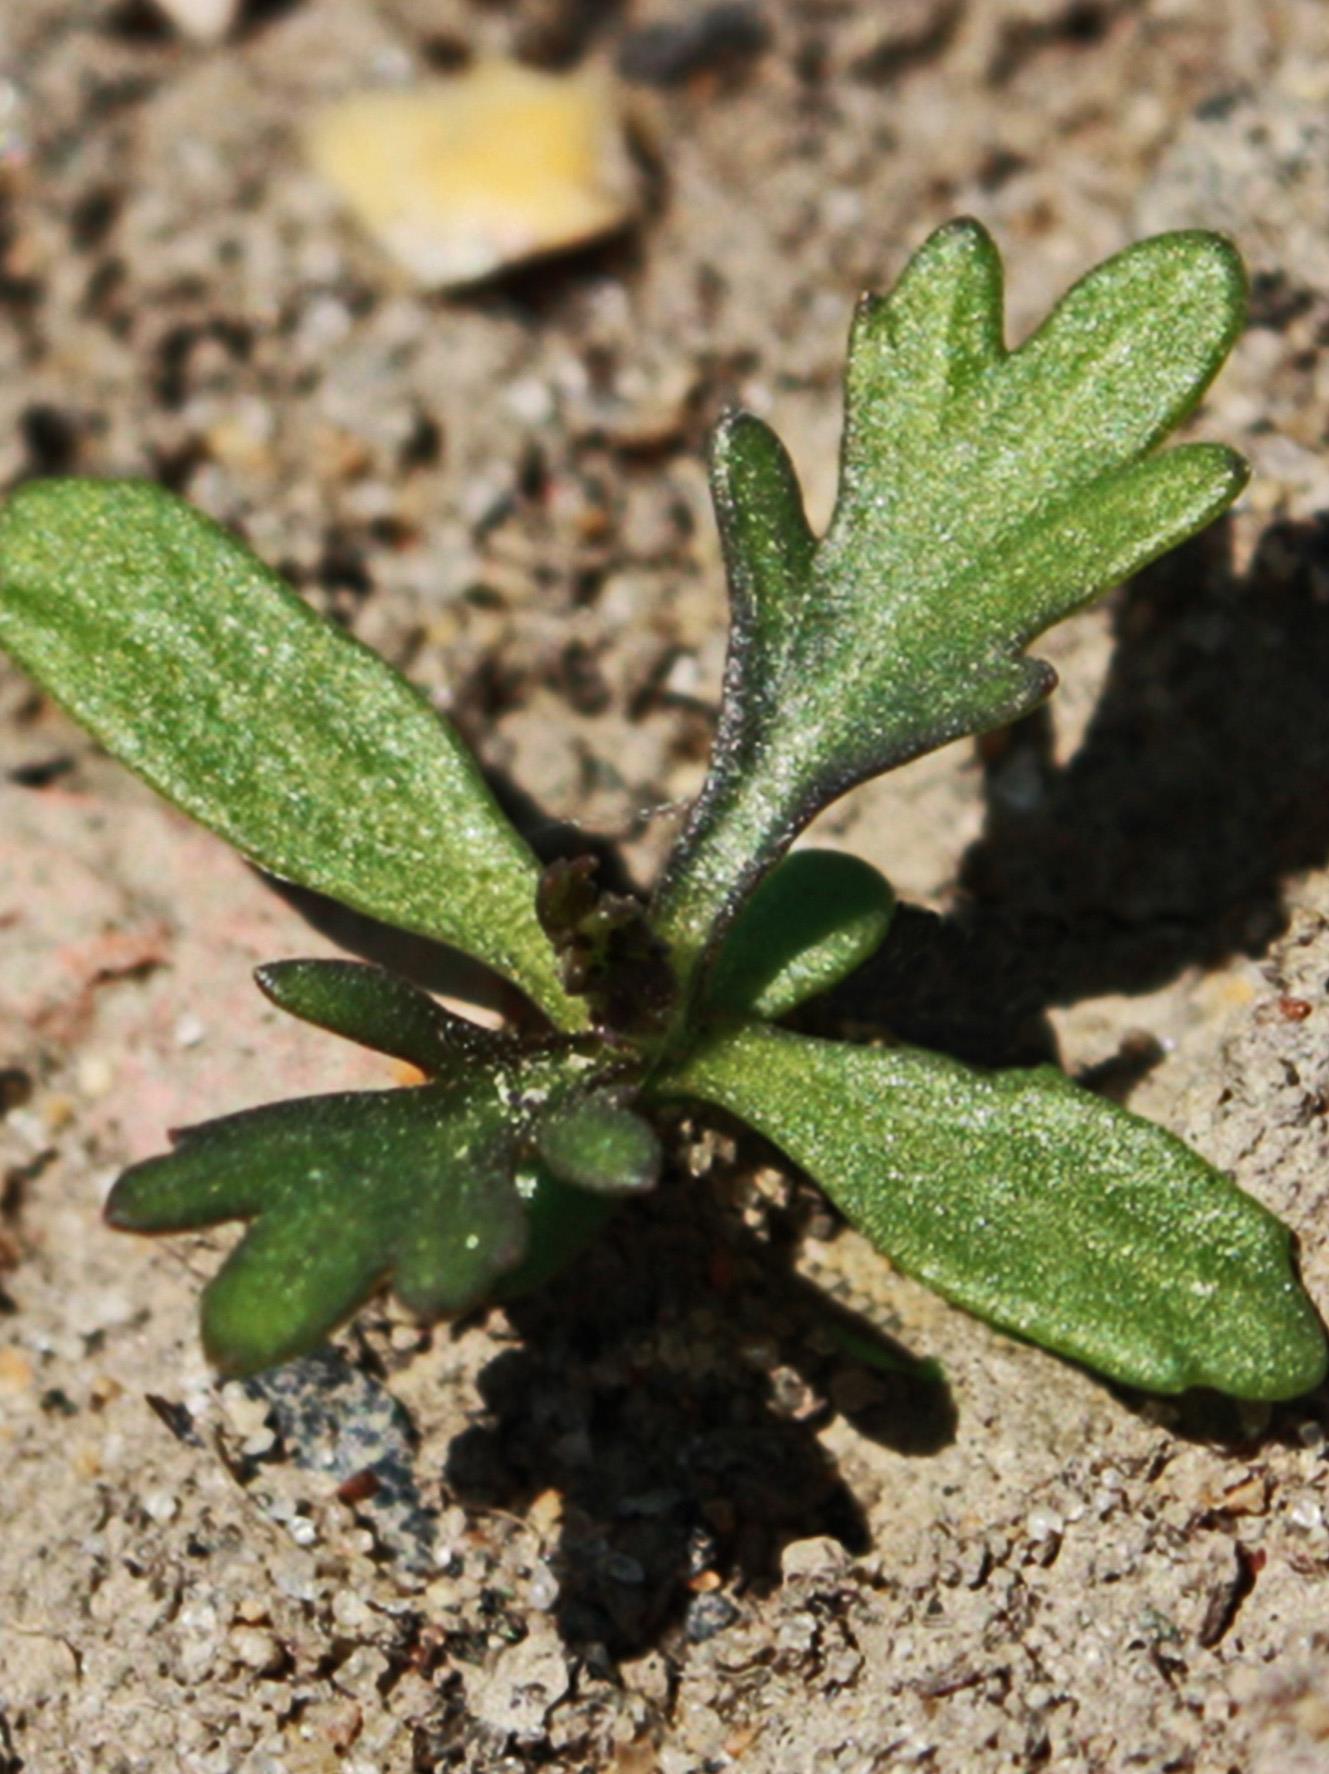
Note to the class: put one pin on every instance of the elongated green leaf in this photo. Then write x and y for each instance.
(202, 671)
(817, 916)
(348, 1191)
(1036, 1205)
(379, 1010)
(984, 495)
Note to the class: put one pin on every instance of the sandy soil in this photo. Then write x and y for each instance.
(654, 1521)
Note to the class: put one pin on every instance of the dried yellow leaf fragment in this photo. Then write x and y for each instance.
(458, 178)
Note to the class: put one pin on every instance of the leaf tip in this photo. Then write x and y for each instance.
(118, 1210)
(138, 1202)
(964, 235)
(1229, 466)
(1214, 258)
(1284, 1354)
(242, 1333)
(1193, 275)
(268, 979)
(235, 1359)
(741, 444)
(959, 248)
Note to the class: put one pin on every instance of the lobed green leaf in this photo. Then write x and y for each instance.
(984, 495)
(418, 1186)
(345, 1191)
(1037, 1206)
(200, 669)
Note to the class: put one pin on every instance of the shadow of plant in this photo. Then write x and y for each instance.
(1163, 843)
(670, 1387)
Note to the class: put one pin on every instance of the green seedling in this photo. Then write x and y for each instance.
(985, 494)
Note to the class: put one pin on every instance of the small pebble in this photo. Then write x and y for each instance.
(543, 1590)
(27, 1124)
(819, 1557)
(530, 400)
(707, 1615)
(351, 1612)
(16, 1373)
(257, 1650)
(325, 322)
(546, 1512)
(683, 677)
(161, 1506)
(95, 1075)
(204, 21)
(57, 1111)
(246, 1413)
(1306, 1513)
(1248, 1495)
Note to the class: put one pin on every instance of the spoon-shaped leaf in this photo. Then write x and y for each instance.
(596, 1144)
(817, 916)
(984, 495)
(200, 669)
(1037, 1206)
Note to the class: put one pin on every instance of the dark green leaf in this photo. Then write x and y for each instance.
(201, 670)
(347, 1191)
(1036, 1205)
(817, 916)
(596, 1144)
(379, 1010)
(984, 495)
